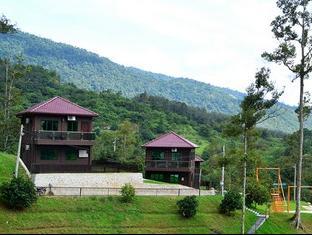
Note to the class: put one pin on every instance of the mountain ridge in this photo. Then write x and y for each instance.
(91, 71)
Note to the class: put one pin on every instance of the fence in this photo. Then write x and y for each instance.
(96, 191)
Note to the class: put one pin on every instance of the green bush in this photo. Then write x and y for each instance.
(18, 194)
(127, 193)
(232, 201)
(188, 206)
(257, 194)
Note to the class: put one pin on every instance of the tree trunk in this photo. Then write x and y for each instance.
(297, 217)
(244, 184)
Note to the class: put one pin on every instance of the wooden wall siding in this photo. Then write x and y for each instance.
(43, 168)
(61, 157)
(31, 157)
(186, 153)
(62, 122)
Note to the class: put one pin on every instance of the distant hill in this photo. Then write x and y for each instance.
(90, 71)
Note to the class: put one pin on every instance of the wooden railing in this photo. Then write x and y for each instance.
(63, 135)
(169, 164)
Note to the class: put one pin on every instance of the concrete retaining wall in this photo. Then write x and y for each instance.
(105, 184)
(100, 180)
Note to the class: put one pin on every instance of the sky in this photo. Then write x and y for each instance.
(219, 42)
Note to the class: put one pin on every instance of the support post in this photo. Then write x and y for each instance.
(19, 151)
(222, 172)
(295, 180)
(288, 197)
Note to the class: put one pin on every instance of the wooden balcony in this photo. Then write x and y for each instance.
(63, 138)
(163, 165)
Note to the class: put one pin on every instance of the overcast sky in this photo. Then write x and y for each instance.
(214, 41)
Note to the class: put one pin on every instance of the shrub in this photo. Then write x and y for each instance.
(257, 194)
(127, 193)
(232, 201)
(188, 206)
(18, 194)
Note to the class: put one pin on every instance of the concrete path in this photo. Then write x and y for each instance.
(260, 221)
(258, 224)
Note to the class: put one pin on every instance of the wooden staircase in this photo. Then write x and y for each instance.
(278, 204)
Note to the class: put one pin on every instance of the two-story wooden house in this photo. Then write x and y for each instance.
(171, 158)
(57, 137)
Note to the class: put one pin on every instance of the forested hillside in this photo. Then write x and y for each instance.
(140, 119)
(88, 70)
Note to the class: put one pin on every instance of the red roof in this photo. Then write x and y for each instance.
(58, 105)
(170, 140)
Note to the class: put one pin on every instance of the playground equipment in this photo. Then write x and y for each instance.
(288, 194)
(277, 194)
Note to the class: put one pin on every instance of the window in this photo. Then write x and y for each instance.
(48, 154)
(157, 177)
(71, 154)
(175, 156)
(72, 126)
(49, 125)
(83, 153)
(158, 155)
(174, 178)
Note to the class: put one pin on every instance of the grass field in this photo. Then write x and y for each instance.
(280, 223)
(144, 215)
(109, 215)
(7, 166)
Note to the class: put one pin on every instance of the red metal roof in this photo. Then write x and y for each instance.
(60, 106)
(170, 140)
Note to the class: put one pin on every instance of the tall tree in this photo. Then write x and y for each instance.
(261, 96)
(292, 29)
(6, 26)
(9, 101)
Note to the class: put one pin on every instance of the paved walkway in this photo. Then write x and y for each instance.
(260, 221)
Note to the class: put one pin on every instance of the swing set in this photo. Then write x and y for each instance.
(277, 193)
(288, 194)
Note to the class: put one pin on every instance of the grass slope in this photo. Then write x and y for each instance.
(7, 166)
(280, 223)
(109, 215)
(144, 215)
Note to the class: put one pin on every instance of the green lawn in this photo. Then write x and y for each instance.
(109, 215)
(280, 223)
(7, 166)
(148, 181)
(144, 215)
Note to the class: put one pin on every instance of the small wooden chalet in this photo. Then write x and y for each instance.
(57, 137)
(171, 158)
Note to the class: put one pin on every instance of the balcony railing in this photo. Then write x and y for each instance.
(169, 164)
(64, 135)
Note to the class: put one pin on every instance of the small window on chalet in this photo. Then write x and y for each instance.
(72, 126)
(158, 155)
(48, 154)
(71, 154)
(175, 156)
(49, 125)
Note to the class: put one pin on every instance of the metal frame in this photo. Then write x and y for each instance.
(279, 179)
(288, 193)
